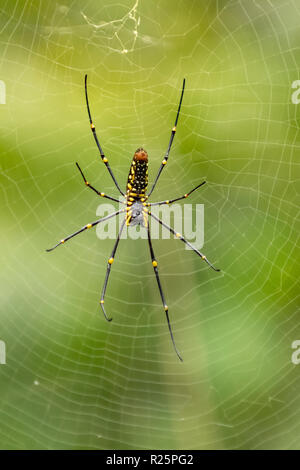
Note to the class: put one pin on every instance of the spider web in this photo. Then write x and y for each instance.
(71, 379)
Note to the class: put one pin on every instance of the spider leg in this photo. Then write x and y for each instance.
(87, 226)
(154, 264)
(94, 189)
(178, 235)
(164, 162)
(177, 199)
(109, 263)
(103, 157)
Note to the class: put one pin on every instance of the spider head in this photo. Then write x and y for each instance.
(137, 217)
(141, 154)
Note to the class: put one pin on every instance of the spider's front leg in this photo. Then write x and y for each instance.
(109, 263)
(180, 237)
(154, 264)
(87, 226)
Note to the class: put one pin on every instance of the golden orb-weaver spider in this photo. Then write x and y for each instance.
(136, 210)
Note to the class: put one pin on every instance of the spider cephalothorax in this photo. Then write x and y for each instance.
(136, 204)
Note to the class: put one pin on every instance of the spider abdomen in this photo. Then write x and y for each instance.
(136, 189)
(138, 175)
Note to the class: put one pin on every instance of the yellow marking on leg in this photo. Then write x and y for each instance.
(174, 129)
(167, 201)
(87, 183)
(154, 263)
(178, 235)
(145, 216)
(101, 301)
(166, 308)
(102, 194)
(62, 241)
(105, 160)
(88, 225)
(128, 217)
(203, 257)
(92, 126)
(111, 260)
(164, 162)
(186, 195)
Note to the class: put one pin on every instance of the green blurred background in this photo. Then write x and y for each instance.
(73, 381)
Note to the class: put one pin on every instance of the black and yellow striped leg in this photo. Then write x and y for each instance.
(103, 157)
(109, 263)
(177, 199)
(173, 132)
(94, 189)
(154, 264)
(85, 228)
(180, 237)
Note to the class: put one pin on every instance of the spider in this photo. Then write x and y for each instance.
(137, 208)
